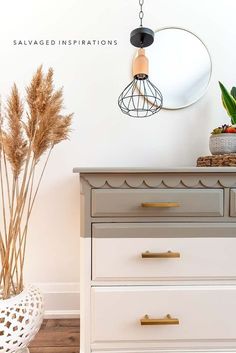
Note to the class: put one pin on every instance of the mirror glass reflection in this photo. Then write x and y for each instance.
(180, 66)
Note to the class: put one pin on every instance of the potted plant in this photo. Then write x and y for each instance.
(223, 138)
(26, 137)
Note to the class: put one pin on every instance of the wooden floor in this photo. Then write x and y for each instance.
(57, 336)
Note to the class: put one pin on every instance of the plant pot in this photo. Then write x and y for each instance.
(222, 143)
(20, 319)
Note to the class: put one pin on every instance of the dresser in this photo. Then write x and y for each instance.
(158, 260)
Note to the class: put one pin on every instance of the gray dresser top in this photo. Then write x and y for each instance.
(84, 170)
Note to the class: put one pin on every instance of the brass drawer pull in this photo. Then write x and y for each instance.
(160, 204)
(160, 255)
(167, 320)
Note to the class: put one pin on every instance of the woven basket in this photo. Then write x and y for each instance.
(20, 319)
(220, 160)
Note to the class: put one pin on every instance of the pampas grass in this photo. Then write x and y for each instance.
(25, 138)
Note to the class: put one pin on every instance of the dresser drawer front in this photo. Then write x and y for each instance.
(233, 202)
(157, 202)
(119, 251)
(204, 313)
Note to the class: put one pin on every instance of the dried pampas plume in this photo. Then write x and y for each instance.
(14, 144)
(25, 136)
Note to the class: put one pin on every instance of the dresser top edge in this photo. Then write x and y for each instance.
(117, 170)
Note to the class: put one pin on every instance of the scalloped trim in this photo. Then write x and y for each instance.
(155, 181)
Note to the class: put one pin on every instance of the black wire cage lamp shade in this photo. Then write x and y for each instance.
(141, 98)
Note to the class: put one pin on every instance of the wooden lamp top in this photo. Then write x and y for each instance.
(140, 65)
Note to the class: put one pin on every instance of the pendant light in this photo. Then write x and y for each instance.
(141, 98)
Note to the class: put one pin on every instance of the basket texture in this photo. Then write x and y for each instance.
(20, 319)
(220, 160)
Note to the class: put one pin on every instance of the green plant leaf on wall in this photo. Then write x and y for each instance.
(233, 92)
(229, 103)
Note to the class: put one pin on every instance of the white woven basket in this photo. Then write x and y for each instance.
(20, 319)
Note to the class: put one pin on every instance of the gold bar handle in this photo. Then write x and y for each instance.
(160, 204)
(167, 320)
(160, 255)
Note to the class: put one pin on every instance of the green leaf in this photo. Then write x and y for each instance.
(229, 103)
(233, 92)
(233, 119)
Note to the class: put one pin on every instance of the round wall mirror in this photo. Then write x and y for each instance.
(180, 66)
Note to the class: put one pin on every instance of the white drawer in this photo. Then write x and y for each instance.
(118, 251)
(204, 313)
(157, 202)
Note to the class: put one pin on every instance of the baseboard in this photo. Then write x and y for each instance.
(62, 314)
(61, 300)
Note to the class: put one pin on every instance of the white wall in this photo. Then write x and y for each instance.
(92, 78)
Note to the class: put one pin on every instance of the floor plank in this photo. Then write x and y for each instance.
(54, 350)
(62, 323)
(57, 336)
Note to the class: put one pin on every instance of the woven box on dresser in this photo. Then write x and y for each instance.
(158, 264)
